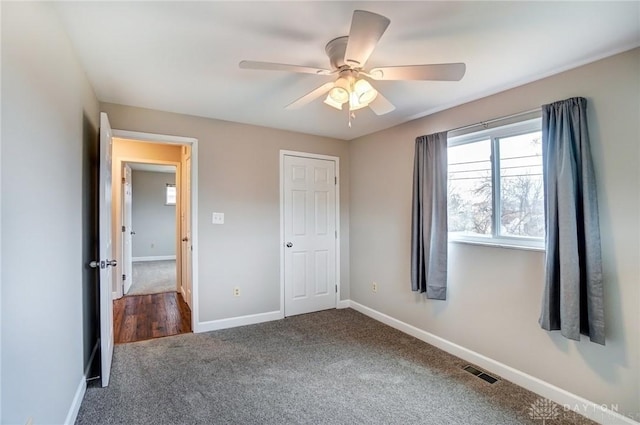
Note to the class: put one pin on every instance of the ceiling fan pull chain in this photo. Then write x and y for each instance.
(351, 116)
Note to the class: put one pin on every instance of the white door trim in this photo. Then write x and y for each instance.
(154, 138)
(126, 220)
(193, 142)
(335, 159)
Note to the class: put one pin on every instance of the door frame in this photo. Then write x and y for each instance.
(193, 143)
(126, 162)
(125, 213)
(117, 279)
(335, 159)
(182, 218)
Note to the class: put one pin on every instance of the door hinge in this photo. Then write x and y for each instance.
(124, 180)
(124, 277)
(336, 233)
(335, 180)
(124, 228)
(336, 288)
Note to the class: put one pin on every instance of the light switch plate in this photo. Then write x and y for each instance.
(217, 218)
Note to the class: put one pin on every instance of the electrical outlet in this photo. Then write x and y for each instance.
(236, 291)
(217, 218)
(374, 286)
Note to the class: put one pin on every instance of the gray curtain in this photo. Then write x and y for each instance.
(573, 295)
(429, 217)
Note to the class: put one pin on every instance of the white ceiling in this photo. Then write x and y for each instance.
(183, 56)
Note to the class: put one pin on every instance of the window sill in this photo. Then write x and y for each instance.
(498, 244)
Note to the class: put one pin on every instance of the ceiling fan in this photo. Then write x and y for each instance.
(348, 56)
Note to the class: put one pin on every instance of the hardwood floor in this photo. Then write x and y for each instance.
(140, 317)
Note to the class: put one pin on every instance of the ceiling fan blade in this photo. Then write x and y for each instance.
(366, 30)
(311, 96)
(270, 66)
(381, 105)
(436, 72)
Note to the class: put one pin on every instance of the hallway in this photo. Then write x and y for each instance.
(153, 277)
(140, 317)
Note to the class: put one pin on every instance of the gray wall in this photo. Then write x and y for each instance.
(152, 220)
(49, 114)
(494, 293)
(238, 174)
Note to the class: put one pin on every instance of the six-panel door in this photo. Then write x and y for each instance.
(309, 234)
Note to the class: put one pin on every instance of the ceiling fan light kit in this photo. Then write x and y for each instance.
(340, 91)
(358, 92)
(366, 93)
(348, 56)
(329, 101)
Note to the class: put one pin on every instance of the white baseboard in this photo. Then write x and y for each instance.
(72, 414)
(252, 319)
(154, 258)
(570, 401)
(344, 304)
(77, 401)
(232, 322)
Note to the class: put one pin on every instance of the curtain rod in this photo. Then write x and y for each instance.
(486, 123)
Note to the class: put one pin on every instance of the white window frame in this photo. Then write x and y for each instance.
(166, 194)
(494, 134)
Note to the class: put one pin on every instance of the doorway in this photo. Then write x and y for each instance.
(151, 288)
(149, 235)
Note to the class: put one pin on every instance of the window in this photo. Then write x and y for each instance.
(495, 187)
(170, 194)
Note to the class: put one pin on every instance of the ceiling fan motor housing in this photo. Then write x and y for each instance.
(336, 49)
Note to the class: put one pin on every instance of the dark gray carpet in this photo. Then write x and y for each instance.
(153, 277)
(331, 367)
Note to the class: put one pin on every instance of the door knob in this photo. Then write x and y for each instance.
(112, 263)
(99, 264)
(289, 244)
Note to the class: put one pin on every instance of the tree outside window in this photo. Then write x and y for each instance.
(495, 186)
